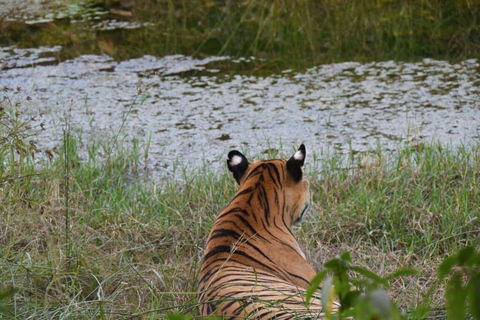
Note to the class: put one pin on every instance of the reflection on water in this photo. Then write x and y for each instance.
(43, 11)
(193, 111)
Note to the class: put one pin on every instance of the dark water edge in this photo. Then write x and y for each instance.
(250, 75)
(189, 113)
(286, 34)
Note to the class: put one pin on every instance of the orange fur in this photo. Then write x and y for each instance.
(253, 266)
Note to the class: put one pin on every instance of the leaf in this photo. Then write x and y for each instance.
(3, 310)
(346, 256)
(377, 305)
(474, 296)
(402, 273)
(363, 309)
(445, 267)
(342, 285)
(4, 295)
(334, 264)
(381, 303)
(476, 260)
(7, 293)
(455, 297)
(465, 256)
(421, 312)
(350, 299)
(347, 314)
(313, 286)
(328, 295)
(369, 274)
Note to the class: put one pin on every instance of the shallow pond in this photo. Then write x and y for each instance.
(192, 112)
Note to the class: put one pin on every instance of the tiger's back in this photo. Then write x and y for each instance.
(253, 266)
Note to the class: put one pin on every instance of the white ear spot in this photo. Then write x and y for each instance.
(235, 161)
(298, 155)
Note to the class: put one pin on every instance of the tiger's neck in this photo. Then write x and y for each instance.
(263, 206)
(256, 228)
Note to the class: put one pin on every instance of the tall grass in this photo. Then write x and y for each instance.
(422, 199)
(302, 32)
(87, 239)
(134, 247)
(305, 32)
(287, 33)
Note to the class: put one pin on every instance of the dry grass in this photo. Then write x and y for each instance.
(128, 266)
(408, 292)
(130, 249)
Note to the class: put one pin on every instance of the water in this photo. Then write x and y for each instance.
(193, 111)
(34, 12)
(195, 114)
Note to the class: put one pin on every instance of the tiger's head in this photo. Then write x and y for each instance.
(284, 178)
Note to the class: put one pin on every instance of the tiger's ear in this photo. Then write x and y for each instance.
(237, 164)
(295, 164)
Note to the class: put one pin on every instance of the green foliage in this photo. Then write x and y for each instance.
(361, 296)
(287, 33)
(17, 148)
(463, 284)
(134, 247)
(422, 198)
(176, 316)
(4, 296)
(313, 286)
(367, 300)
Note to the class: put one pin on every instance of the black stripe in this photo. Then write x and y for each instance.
(241, 193)
(233, 210)
(277, 201)
(217, 250)
(259, 251)
(285, 313)
(278, 227)
(271, 234)
(214, 270)
(299, 277)
(262, 315)
(246, 255)
(277, 239)
(284, 212)
(275, 180)
(263, 202)
(221, 233)
(249, 201)
(254, 172)
(249, 226)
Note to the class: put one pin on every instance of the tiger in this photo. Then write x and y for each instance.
(253, 267)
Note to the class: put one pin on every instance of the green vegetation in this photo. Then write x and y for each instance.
(372, 302)
(287, 33)
(83, 236)
(464, 284)
(423, 198)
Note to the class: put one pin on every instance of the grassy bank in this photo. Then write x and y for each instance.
(91, 239)
(298, 33)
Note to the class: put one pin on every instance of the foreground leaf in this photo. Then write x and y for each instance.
(328, 295)
(445, 267)
(3, 296)
(369, 274)
(313, 286)
(474, 296)
(455, 297)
